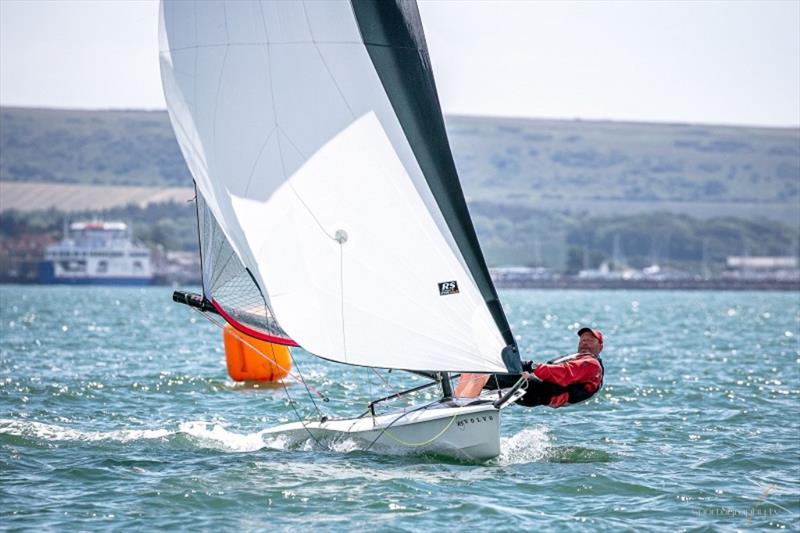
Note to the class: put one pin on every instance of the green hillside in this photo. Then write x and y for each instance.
(536, 188)
(538, 163)
(92, 147)
(613, 167)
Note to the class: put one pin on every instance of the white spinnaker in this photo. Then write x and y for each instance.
(291, 138)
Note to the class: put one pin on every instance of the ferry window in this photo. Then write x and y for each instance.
(102, 266)
(73, 266)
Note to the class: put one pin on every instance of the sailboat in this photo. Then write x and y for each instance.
(330, 213)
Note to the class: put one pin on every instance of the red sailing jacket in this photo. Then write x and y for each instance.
(584, 370)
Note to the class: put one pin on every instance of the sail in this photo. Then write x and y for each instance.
(230, 286)
(315, 138)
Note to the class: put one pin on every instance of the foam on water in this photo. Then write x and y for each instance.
(216, 436)
(528, 446)
(53, 432)
(202, 434)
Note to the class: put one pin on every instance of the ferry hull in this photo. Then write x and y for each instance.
(47, 276)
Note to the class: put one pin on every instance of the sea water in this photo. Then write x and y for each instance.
(116, 413)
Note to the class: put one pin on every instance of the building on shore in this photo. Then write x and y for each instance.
(763, 267)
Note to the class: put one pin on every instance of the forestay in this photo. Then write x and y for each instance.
(315, 137)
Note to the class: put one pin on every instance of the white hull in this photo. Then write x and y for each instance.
(469, 432)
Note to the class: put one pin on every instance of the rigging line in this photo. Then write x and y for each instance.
(311, 396)
(405, 413)
(497, 386)
(385, 381)
(283, 383)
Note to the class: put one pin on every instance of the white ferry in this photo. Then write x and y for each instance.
(97, 253)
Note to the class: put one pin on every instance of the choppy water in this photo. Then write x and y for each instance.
(116, 412)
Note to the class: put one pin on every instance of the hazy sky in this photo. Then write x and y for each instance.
(712, 62)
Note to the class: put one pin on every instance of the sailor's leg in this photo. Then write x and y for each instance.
(537, 393)
(470, 385)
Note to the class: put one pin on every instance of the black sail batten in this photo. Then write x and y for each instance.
(394, 39)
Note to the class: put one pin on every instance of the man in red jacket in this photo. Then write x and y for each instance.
(566, 380)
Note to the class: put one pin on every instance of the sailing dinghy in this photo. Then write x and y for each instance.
(330, 213)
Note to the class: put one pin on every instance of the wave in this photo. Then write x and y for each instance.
(52, 432)
(528, 446)
(199, 433)
(535, 445)
(216, 436)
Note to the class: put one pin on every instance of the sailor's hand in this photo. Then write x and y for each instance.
(527, 366)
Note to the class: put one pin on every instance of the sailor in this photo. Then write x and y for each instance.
(562, 381)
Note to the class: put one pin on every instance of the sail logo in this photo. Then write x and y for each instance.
(464, 422)
(448, 287)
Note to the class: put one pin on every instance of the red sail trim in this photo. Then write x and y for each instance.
(250, 331)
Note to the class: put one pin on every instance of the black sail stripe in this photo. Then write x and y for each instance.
(393, 36)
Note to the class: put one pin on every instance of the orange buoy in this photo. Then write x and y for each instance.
(251, 359)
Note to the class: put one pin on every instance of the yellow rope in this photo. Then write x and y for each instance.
(418, 444)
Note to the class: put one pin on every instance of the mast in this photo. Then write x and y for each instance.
(447, 387)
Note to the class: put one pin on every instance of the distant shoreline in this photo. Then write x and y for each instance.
(567, 284)
(690, 284)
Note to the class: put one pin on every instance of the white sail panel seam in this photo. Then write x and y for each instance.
(291, 185)
(219, 82)
(263, 21)
(325, 63)
(196, 60)
(254, 43)
(216, 103)
(258, 158)
(310, 212)
(269, 77)
(225, 20)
